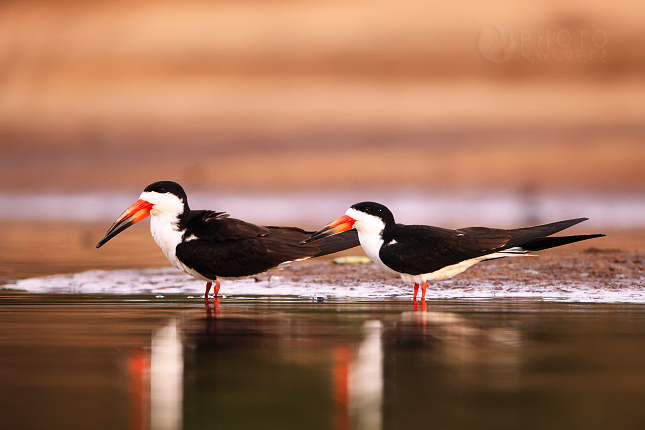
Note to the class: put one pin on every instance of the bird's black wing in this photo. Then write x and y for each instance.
(421, 249)
(328, 245)
(235, 258)
(424, 249)
(535, 238)
(217, 226)
(227, 247)
(336, 243)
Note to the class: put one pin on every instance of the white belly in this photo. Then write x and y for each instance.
(441, 274)
(455, 269)
(371, 244)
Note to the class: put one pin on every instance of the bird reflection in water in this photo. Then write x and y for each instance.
(287, 347)
(157, 382)
(166, 379)
(358, 381)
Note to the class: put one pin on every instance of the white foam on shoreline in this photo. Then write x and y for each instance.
(169, 281)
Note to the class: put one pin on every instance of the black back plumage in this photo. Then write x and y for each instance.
(229, 247)
(418, 249)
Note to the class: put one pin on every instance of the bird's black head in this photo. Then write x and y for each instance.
(168, 187)
(375, 209)
(366, 217)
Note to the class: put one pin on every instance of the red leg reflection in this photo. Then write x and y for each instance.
(139, 372)
(214, 309)
(424, 306)
(340, 374)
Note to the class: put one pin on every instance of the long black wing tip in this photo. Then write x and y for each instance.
(338, 242)
(564, 224)
(578, 220)
(543, 243)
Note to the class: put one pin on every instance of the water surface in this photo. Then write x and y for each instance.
(144, 361)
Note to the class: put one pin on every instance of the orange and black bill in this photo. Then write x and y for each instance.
(339, 225)
(135, 213)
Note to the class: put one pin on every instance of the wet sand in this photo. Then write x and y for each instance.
(596, 268)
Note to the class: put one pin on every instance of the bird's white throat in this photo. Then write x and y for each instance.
(163, 203)
(370, 229)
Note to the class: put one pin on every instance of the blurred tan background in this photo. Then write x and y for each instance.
(299, 94)
(282, 96)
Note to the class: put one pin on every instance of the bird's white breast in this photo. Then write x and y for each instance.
(165, 233)
(164, 227)
(372, 244)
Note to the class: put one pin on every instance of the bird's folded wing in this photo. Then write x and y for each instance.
(425, 249)
(239, 256)
(231, 259)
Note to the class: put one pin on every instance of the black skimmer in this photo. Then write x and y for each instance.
(421, 253)
(211, 246)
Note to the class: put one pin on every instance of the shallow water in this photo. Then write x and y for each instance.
(144, 361)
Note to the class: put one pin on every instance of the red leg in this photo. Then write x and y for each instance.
(416, 290)
(424, 286)
(216, 289)
(208, 289)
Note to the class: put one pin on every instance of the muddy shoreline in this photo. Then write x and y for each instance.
(31, 249)
(597, 268)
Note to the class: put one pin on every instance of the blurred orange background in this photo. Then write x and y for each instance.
(298, 95)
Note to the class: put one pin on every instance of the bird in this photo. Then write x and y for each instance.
(421, 253)
(211, 246)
